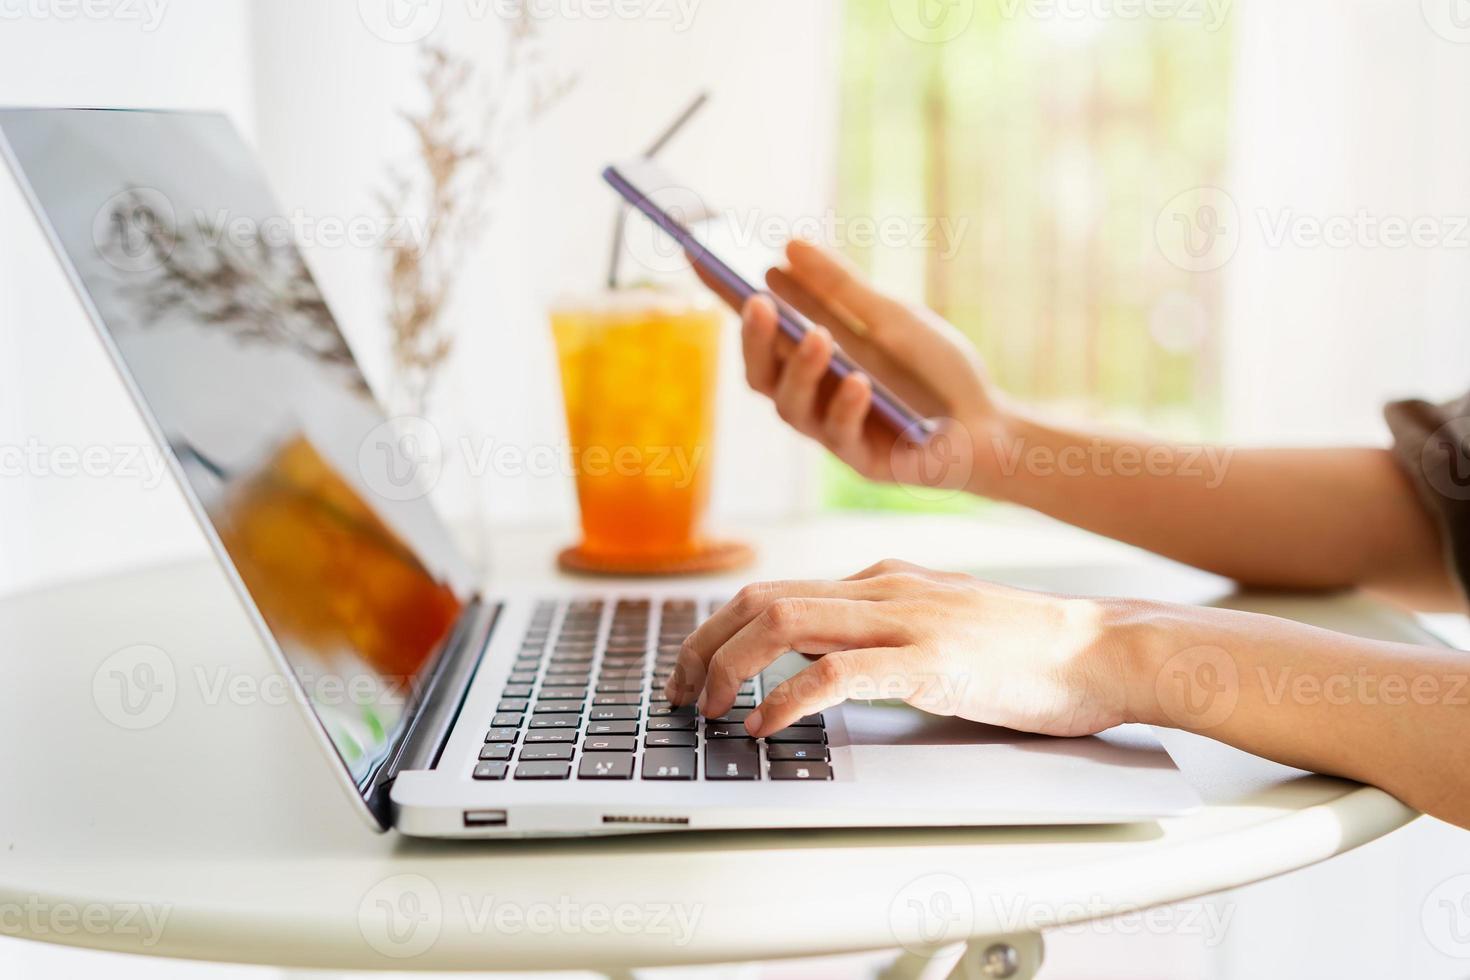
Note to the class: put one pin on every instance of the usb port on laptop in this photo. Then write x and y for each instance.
(484, 818)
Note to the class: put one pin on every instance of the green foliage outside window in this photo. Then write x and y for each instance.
(1047, 147)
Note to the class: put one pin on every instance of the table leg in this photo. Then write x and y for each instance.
(919, 964)
(1017, 956)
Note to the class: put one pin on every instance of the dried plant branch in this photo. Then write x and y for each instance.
(258, 292)
(452, 183)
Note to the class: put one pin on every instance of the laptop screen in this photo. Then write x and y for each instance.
(191, 267)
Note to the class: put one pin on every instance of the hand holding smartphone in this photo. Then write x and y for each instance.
(636, 187)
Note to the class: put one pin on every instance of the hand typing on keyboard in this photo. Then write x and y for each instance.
(585, 699)
(947, 643)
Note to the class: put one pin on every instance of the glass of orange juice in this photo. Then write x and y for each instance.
(638, 375)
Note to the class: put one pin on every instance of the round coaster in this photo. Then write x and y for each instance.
(712, 557)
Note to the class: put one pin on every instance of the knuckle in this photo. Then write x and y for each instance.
(907, 581)
(749, 600)
(782, 614)
(689, 649)
(828, 673)
(721, 670)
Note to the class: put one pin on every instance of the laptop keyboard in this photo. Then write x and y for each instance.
(585, 701)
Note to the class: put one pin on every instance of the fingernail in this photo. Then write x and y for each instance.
(753, 722)
(699, 705)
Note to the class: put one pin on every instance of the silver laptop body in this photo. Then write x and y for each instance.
(449, 713)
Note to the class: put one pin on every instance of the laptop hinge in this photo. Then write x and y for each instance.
(447, 689)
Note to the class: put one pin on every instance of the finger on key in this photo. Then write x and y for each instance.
(830, 681)
(687, 678)
(813, 626)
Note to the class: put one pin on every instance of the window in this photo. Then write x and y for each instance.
(1012, 178)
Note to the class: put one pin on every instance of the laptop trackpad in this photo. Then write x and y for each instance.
(885, 737)
(890, 736)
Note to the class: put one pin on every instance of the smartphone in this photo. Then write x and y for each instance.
(887, 406)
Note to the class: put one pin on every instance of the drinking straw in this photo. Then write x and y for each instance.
(653, 150)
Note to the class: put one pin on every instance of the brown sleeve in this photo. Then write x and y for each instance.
(1432, 443)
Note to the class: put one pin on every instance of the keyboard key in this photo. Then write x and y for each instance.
(558, 692)
(632, 697)
(544, 770)
(721, 730)
(800, 770)
(614, 712)
(612, 728)
(813, 735)
(546, 736)
(606, 765)
(506, 734)
(745, 701)
(558, 707)
(669, 739)
(495, 752)
(556, 721)
(735, 716)
(668, 710)
(491, 770)
(619, 683)
(663, 763)
(539, 753)
(511, 704)
(732, 759)
(516, 691)
(808, 721)
(796, 753)
(610, 743)
(671, 723)
(506, 719)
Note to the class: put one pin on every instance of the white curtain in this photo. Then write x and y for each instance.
(1349, 117)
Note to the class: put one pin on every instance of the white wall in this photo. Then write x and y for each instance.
(57, 391)
(1344, 108)
(329, 89)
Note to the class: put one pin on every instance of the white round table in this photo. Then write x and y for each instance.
(212, 830)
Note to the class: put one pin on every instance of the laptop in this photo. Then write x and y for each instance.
(448, 712)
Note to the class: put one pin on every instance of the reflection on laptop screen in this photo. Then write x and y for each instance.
(177, 242)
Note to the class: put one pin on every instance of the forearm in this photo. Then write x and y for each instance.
(1289, 518)
(1392, 715)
